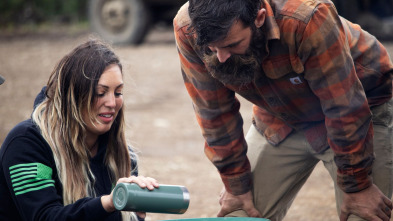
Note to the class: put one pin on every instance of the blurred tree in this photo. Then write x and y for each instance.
(16, 12)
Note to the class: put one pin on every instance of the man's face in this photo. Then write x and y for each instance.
(236, 42)
(232, 60)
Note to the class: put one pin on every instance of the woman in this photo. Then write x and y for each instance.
(63, 162)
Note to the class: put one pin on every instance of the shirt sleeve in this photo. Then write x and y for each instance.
(217, 113)
(30, 178)
(331, 74)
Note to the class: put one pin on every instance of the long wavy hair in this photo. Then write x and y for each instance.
(70, 92)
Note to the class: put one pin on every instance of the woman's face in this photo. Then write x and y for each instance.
(109, 100)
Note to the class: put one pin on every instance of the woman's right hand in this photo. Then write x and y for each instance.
(143, 182)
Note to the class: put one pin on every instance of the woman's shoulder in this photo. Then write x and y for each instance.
(25, 136)
(26, 128)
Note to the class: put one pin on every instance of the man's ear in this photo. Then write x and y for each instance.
(260, 20)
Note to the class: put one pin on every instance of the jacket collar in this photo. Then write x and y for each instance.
(271, 27)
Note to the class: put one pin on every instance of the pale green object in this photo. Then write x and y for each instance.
(222, 219)
(165, 199)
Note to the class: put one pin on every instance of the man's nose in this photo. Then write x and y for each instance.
(223, 55)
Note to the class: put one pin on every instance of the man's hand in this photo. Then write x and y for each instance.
(369, 204)
(230, 203)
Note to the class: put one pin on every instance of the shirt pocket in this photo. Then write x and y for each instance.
(280, 65)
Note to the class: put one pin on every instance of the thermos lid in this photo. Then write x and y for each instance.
(120, 196)
(222, 219)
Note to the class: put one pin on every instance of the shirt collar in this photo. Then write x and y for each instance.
(271, 27)
(101, 151)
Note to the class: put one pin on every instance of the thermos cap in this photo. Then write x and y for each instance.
(120, 197)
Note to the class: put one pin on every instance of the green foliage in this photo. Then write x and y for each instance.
(14, 12)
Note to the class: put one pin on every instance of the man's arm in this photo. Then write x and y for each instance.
(330, 72)
(217, 113)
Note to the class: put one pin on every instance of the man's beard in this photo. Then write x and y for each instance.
(237, 69)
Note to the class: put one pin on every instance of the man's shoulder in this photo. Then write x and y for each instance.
(182, 17)
(298, 9)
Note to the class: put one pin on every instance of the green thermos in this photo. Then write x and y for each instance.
(165, 199)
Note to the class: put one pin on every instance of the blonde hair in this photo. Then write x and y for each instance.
(70, 92)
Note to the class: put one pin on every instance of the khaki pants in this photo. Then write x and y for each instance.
(280, 171)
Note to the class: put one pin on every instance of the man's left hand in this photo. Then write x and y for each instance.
(229, 203)
(369, 204)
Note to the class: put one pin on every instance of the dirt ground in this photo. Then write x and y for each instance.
(161, 122)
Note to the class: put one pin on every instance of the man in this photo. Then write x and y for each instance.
(321, 89)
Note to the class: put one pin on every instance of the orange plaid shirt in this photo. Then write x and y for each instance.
(321, 75)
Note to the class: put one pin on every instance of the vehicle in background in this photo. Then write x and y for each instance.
(374, 16)
(128, 21)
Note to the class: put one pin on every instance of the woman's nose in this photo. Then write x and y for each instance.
(110, 101)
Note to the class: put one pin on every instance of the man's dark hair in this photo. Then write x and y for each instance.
(212, 19)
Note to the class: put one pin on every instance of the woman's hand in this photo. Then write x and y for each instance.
(143, 182)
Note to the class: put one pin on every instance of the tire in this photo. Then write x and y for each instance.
(119, 21)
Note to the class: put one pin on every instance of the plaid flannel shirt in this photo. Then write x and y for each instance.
(321, 74)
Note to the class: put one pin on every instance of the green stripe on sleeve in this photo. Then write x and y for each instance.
(33, 184)
(23, 165)
(23, 177)
(22, 174)
(22, 169)
(34, 189)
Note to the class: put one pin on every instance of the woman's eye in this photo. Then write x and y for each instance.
(118, 94)
(100, 94)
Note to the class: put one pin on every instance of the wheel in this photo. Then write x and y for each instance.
(119, 21)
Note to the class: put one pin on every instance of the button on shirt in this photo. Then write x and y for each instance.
(320, 75)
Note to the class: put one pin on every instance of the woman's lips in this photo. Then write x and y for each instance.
(106, 118)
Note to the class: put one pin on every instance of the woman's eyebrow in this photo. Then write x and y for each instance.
(105, 86)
